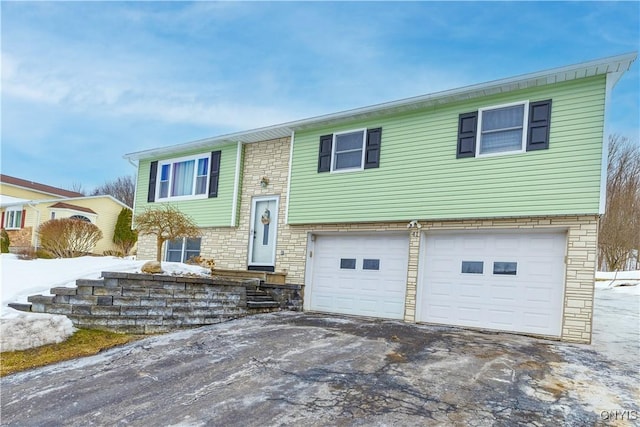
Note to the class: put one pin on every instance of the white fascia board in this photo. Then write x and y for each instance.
(614, 64)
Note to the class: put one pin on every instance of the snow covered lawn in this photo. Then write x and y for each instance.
(22, 278)
(616, 329)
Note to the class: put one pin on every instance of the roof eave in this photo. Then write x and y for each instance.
(615, 65)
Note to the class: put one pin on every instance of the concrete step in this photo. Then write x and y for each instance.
(41, 299)
(20, 307)
(262, 304)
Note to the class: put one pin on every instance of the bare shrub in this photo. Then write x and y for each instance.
(68, 238)
(27, 254)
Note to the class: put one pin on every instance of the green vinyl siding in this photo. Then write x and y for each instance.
(206, 212)
(420, 177)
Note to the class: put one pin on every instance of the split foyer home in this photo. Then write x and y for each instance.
(475, 207)
(24, 205)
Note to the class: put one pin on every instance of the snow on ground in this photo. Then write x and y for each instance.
(616, 329)
(22, 278)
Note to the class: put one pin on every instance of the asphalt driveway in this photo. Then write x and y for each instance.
(310, 369)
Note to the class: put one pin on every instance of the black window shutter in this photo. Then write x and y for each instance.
(372, 154)
(467, 126)
(214, 173)
(153, 174)
(539, 121)
(324, 156)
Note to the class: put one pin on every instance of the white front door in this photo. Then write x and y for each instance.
(262, 235)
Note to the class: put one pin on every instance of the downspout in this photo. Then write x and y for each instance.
(35, 232)
(286, 211)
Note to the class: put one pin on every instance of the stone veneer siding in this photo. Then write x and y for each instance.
(20, 239)
(229, 245)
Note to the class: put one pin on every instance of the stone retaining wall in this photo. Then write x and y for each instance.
(151, 303)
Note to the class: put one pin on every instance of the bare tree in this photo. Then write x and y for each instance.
(619, 230)
(166, 223)
(122, 188)
(77, 187)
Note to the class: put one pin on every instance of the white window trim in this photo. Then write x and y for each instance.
(333, 151)
(170, 162)
(525, 125)
(182, 251)
(63, 213)
(6, 217)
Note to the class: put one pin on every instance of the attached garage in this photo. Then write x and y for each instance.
(363, 275)
(506, 280)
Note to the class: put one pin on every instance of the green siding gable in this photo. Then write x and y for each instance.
(420, 177)
(207, 212)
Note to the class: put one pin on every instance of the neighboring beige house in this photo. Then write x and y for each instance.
(27, 204)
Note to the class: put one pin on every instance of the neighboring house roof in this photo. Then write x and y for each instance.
(36, 186)
(61, 205)
(615, 66)
(38, 201)
(11, 201)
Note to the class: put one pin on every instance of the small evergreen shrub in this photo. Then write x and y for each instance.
(4, 241)
(123, 235)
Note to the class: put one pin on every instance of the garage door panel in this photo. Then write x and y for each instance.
(473, 291)
(473, 244)
(343, 303)
(471, 315)
(529, 301)
(501, 318)
(375, 288)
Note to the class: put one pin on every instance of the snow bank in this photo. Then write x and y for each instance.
(22, 278)
(624, 282)
(27, 330)
(610, 275)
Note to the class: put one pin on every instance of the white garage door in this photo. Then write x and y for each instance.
(360, 275)
(509, 281)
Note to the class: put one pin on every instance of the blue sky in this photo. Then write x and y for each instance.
(84, 83)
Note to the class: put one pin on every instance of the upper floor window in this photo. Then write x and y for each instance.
(348, 150)
(13, 218)
(352, 150)
(502, 129)
(185, 177)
